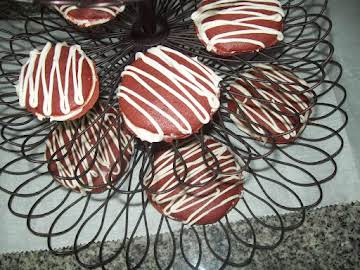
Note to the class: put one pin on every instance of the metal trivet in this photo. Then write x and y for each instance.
(112, 46)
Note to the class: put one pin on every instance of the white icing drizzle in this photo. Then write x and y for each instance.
(189, 79)
(33, 76)
(276, 122)
(107, 151)
(111, 10)
(177, 201)
(247, 11)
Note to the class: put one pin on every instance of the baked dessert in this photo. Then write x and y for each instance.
(270, 102)
(228, 27)
(89, 16)
(59, 82)
(89, 149)
(165, 95)
(202, 197)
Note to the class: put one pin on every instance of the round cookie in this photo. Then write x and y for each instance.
(228, 27)
(165, 95)
(277, 109)
(59, 82)
(87, 17)
(201, 199)
(111, 157)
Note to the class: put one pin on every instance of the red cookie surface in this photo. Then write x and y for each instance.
(277, 109)
(65, 149)
(87, 17)
(165, 95)
(59, 82)
(203, 197)
(228, 27)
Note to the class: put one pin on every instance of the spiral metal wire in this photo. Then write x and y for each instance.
(305, 50)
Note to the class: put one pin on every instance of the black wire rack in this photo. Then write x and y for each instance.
(91, 220)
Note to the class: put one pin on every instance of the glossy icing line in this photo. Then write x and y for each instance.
(36, 65)
(112, 10)
(248, 12)
(189, 79)
(107, 150)
(290, 97)
(180, 201)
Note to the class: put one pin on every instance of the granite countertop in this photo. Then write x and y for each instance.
(328, 239)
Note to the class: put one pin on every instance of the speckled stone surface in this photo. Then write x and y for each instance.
(328, 239)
